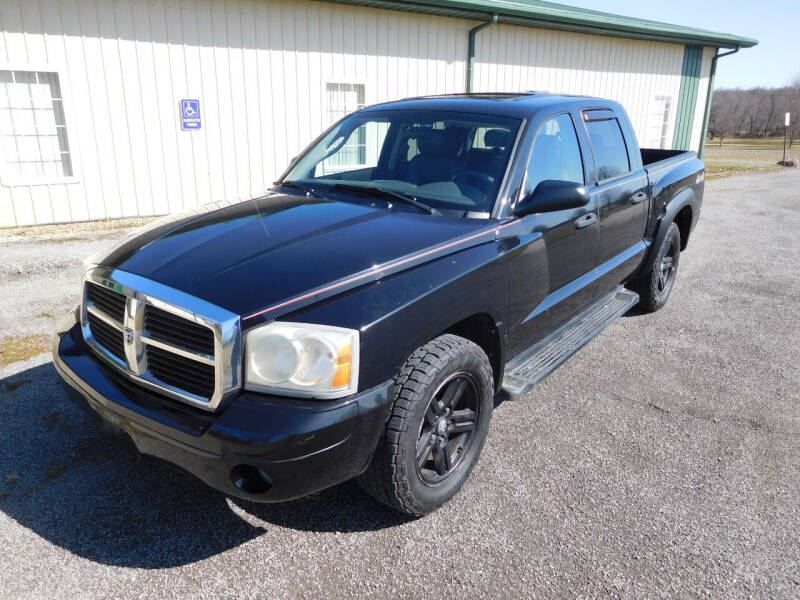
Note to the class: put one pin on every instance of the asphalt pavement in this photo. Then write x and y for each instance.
(661, 461)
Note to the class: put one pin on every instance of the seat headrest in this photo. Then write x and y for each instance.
(432, 144)
(497, 138)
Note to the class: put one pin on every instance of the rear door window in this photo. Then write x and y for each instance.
(608, 145)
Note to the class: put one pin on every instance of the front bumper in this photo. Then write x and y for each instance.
(258, 447)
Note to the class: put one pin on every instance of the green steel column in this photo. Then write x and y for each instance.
(687, 97)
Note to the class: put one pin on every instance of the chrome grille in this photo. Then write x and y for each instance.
(172, 329)
(109, 337)
(165, 339)
(109, 301)
(195, 377)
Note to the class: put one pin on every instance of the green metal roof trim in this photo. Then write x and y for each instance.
(533, 13)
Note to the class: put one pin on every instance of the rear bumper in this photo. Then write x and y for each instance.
(259, 447)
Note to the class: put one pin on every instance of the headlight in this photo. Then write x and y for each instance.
(298, 359)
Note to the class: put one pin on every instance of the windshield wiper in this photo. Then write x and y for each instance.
(399, 196)
(291, 184)
(296, 186)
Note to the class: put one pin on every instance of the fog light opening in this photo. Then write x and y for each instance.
(250, 479)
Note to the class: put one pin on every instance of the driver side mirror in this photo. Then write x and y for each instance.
(552, 195)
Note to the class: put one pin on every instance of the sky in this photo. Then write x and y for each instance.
(774, 23)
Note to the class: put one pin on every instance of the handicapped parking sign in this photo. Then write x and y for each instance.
(190, 114)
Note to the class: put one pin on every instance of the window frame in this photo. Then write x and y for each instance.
(612, 114)
(8, 179)
(353, 83)
(541, 124)
(664, 123)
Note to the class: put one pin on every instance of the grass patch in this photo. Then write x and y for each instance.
(719, 171)
(15, 349)
(744, 155)
(76, 228)
(64, 239)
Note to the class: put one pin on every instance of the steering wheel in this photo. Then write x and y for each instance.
(483, 181)
(470, 178)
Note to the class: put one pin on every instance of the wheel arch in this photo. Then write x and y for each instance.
(484, 331)
(683, 219)
(681, 207)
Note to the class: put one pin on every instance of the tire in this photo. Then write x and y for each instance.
(654, 287)
(435, 391)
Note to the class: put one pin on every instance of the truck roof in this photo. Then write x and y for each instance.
(514, 104)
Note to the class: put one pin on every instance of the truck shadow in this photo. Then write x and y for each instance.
(92, 495)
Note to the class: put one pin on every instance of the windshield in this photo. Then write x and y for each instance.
(450, 161)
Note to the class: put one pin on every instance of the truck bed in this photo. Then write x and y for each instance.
(656, 158)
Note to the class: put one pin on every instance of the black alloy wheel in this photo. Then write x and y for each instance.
(448, 429)
(654, 286)
(666, 276)
(443, 400)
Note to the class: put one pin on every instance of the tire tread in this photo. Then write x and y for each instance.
(647, 285)
(386, 478)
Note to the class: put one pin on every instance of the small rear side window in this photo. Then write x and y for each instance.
(610, 151)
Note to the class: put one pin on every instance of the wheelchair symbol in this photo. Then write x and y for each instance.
(189, 109)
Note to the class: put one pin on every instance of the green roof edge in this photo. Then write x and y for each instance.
(532, 13)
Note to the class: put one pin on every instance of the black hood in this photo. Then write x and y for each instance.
(258, 253)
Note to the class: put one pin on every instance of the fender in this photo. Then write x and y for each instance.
(401, 312)
(375, 273)
(677, 189)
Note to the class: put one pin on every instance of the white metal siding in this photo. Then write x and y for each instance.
(632, 72)
(259, 69)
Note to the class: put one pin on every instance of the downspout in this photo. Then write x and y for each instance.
(471, 50)
(710, 96)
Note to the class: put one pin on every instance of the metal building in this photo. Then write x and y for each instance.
(115, 108)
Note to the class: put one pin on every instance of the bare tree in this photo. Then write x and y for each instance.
(756, 112)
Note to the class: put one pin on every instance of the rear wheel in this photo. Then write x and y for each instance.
(655, 286)
(437, 427)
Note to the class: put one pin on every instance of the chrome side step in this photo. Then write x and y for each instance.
(538, 361)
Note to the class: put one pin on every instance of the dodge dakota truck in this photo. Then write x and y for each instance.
(421, 261)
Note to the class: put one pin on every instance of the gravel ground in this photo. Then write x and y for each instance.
(660, 461)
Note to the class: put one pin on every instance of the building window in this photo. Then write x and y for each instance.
(342, 99)
(33, 130)
(658, 122)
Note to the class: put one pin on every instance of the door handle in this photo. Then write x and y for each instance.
(585, 221)
(638, 197)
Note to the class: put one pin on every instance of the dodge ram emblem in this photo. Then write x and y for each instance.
(128, 336)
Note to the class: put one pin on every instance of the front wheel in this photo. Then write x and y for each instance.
(655, 286)
(437, 427)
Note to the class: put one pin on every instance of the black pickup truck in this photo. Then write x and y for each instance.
(419, 262)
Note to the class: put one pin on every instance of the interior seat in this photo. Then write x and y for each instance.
(433, 163)
(491, 159)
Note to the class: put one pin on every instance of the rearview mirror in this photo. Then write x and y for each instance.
(552, 195)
